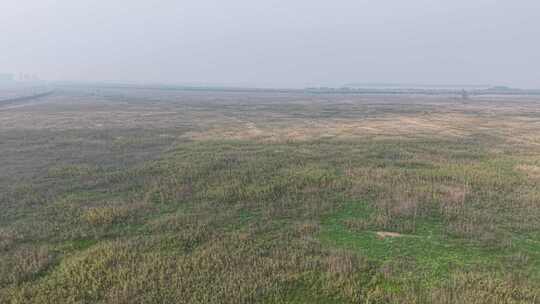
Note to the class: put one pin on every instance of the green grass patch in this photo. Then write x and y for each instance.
(435, 254)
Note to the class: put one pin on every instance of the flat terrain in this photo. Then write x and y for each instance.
(168, 196)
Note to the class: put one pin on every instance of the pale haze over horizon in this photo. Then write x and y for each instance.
(274, 43)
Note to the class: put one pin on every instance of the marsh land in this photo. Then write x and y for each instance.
(134, 195)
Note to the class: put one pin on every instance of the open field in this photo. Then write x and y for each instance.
(168, 196)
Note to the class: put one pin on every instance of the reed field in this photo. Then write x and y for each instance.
(116, 195)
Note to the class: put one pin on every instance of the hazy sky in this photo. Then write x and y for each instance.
(286, 43)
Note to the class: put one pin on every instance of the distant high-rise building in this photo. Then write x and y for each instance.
(27, 77)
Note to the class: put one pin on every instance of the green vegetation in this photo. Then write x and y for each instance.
(243, 213)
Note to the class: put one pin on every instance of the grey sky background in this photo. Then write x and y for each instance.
(274, 43)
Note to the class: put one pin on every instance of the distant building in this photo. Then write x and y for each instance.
(6, 77)
(27, 77)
